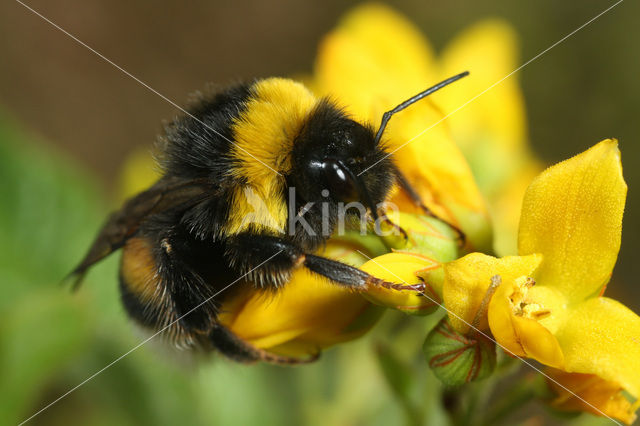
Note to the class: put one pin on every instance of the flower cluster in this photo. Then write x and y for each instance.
(547, 302)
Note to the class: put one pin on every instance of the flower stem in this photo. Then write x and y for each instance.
(523, 392)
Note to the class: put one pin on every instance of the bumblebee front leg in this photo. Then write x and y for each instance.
(413, 195)
(270, 261)
(417, 200)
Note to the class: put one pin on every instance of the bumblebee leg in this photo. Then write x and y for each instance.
(161, 290)
(350, 276)
(231, 346)
(417, 200)
(411, 192)
(269, 261)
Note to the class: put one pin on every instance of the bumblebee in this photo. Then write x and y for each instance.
(269, 151)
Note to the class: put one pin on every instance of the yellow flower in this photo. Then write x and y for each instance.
(468, 280)
(549, 306)
(371, 62)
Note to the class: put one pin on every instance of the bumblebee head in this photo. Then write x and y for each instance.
(330, 155)
(339, 158)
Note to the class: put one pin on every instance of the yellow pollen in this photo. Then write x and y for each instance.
(535, 311)
(523, 307)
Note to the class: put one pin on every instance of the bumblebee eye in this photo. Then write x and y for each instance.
(340, 181)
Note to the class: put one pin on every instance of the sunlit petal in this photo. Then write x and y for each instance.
(572, 215)
(307, 314)
(496, 119)
(362, 65)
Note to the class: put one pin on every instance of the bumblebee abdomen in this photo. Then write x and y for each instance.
(143, 293)
(168, 279)
(139, 270)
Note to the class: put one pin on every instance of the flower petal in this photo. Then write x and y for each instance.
(467, 280)
(506, 206)
(438, 171)
(360, 63)
(602, 336)
(495, 120)
(572, 215)
(588, 392)
(138, 173)
(308, 307)
(491, 130)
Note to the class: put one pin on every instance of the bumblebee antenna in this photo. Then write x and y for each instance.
(387, 115)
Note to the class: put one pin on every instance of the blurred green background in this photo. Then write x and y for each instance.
(68, 120)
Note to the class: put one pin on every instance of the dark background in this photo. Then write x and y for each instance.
(582, 91)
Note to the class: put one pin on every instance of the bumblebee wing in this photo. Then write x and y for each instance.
(167, 194)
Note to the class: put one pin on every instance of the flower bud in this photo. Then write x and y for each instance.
(410, 295)
(457, 359)
(419, 248)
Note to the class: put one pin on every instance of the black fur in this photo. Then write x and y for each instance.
(198, 145)
(330, 134)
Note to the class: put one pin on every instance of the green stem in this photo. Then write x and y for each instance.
(523, 392)
(468, 405)
(478, 399)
